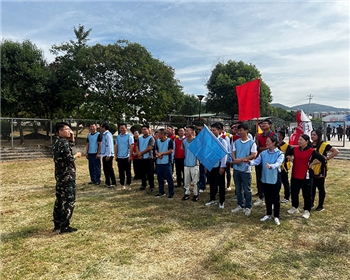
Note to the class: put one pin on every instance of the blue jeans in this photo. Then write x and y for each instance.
(164, 171)
(243, 182)
(94, 168)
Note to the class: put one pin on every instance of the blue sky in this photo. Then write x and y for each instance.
(299, 47)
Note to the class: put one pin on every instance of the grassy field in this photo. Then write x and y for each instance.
(132, 235)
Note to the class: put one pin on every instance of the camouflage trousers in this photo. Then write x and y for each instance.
(64, 203)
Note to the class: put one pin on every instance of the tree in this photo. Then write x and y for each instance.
(190, 106)
(24, 77)
(114, 82)
(222, 97)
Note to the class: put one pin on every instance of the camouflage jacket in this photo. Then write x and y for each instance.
(64, 160)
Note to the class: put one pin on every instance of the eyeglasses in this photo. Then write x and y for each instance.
(233, 127)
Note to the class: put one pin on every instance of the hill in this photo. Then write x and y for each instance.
(313, 108)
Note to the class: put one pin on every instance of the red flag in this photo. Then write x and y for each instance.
(299, 130)
(248, 96)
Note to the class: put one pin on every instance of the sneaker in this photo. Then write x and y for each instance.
(284, 200)
(170, 196)
(258, 202)
(141, 189)
(221, 205)
(98, 183)
(247, 211)
(128, 187)
(237, 209)
(110, 186)
(201, 190)
(122, 188)
(186, 197)
(195, 198)
(68, 230)
(306, 214)
(265, 218)
(211, 202)
(228, 189)
(56, 228)
(319, 209)
(160, 194)
(293, 210)
(150, 191)
(91, 183)
(277, 221)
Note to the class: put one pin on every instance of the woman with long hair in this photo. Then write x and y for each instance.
(323, 148)
(302, 158)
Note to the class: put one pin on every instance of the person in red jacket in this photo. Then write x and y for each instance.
(179, 156)
(302, 158)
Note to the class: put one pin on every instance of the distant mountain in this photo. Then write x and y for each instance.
(313, 108)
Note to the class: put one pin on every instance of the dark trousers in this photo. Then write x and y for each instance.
(319, 184)
(147, 172)
(179, 167)
(228, 176)
(136, 163)
(64, 203)
(285, 182)
(94, 168)
(109, 171)
(305, 186)
(124, 167)
(258, 173)
(272, 196)
(164, 172)
(216, 180)
(202, 178)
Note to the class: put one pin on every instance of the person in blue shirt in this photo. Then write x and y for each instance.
(164, 149)
(123, 155)
(93, 153)
(107, 154)
(271, 160)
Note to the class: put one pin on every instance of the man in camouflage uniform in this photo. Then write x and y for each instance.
(65, 178)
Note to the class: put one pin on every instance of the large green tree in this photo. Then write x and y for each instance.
(222, 97)
(24, 80)
(115, 82)
(190, 106)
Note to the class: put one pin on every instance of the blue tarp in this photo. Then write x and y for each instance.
(207, 148)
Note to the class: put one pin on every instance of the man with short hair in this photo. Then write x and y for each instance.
(107, 154)
(243, 149)
(93, 154)
(164, 149)
(191, 166)
(65, 175)
(145, 154)
(123, 155)
(179, 157)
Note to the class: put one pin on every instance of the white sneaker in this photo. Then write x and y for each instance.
(277, 221)
(237, 209)
(122, 188)
(248, 211)
(228, 189)
(284, 200)
(265, 218)
(259, 202)
(201, 190)
(128, 187)
(306, 214)
(211, 202)
(221, 206)
(293, 211)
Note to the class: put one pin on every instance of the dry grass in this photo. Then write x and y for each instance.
(131, 235)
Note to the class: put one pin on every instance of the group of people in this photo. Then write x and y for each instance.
(164, 153)
(339, 132)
